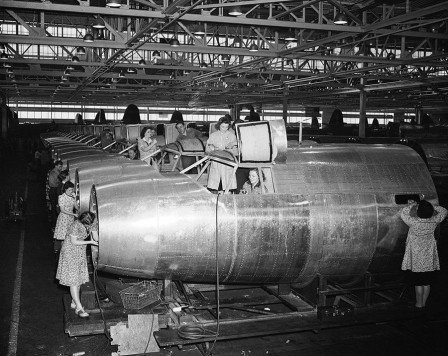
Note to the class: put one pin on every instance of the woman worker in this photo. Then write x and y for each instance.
(253, 185)
(421, 258)
(72, 267)
(66, 203)
(147, 144)
(222, 139)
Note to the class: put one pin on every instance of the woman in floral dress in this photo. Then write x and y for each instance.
(72, 267)
(421, 258)
(66, 202)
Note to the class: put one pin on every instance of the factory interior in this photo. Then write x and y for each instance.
(340, 107)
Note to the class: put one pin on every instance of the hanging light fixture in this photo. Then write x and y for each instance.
(237, 42)
(253, 47)
(113, 3)
(199, 29)
(391, 56)
(6, 65)
(290, 36)
(2, 47)
(225, 58)
(142, 62)
(340, 19)
(156, 55)
(67, 72)
(70, 67)
(203, 65)
(80, 50)
(131, 70)
(88, 38)
(75, 59)
(98, 23)
(235, 11)
(174, 42)
(121, 74)
(4, 56)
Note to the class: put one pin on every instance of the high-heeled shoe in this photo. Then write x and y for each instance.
(81, 313)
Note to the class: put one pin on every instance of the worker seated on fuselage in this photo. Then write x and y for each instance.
(254, 185)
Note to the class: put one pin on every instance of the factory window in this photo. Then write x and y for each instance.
(405, 198)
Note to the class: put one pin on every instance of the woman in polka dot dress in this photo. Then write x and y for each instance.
(72, 267)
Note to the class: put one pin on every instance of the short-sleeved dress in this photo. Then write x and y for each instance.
(144, 150)
(64, 220)
(72, 266)
(421, 255)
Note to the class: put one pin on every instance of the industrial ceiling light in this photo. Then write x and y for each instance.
(290, 36)
(237, 42)
(253, 48)
(70, 67)
(6, 65)
(80, 50)
(4, 56)
(67, 72)
(391, 56)
(75, 59)
(225, 57)
(98, 23)
(156, 55)
(2, 47)
(121, 74)
(113, 3)
(203, 65)
(88, 38)
(235, 11)
(174, 42)
(142, 62)
(199, 29)
(340, 19)
(131, 70)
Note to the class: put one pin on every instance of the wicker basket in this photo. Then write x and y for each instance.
(140, 295)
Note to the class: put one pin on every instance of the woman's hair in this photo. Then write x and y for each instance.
(58, 163)
(87, 218)
(67, 185)
(222, 120)
(258, 174)
(425, 209)
(64, 174)
(143, 131)
(146, 128)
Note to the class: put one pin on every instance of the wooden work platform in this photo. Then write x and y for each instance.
(99, 320)
(280, 324)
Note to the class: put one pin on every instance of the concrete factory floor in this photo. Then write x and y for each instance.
(31, 309)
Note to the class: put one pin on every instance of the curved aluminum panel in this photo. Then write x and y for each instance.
(334, 214)
(95, 173)
(74, 163)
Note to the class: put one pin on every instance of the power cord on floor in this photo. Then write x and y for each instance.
(197, 332)
(95, 276)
